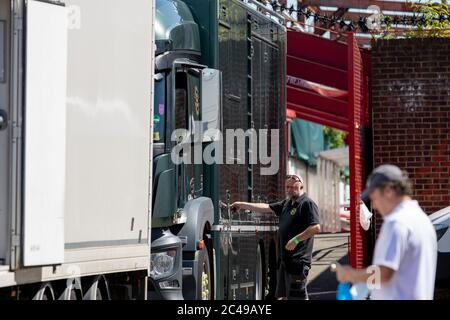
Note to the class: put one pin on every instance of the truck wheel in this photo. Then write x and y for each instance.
(271, 280)
(98, 289)
(259, 275)
(72, 291)
(45, 292)
(204, 276)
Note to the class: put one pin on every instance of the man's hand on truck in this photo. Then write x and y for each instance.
(258, 207)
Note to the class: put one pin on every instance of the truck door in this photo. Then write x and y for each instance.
(4, 132)
(44, 134)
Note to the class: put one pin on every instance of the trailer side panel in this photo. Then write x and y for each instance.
(108, 125)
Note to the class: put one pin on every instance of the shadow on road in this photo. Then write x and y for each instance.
(323, 286)
(328, 248)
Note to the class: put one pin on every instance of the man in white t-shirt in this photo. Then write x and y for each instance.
(404, 262)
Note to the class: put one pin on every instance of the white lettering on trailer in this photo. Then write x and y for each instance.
(202, 311)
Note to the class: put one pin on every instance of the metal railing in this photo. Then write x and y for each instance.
(260, 7)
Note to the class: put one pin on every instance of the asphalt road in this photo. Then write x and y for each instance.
(328, 248)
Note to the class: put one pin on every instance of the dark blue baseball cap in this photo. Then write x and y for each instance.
(381, 176)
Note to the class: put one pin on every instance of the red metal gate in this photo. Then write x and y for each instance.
(328, 84)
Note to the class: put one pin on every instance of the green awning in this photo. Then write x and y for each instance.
(307, 140)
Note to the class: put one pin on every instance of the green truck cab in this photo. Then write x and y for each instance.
(219, 64)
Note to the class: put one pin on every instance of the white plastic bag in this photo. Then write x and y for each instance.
(364, 216)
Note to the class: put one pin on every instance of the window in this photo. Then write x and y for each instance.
(181, 104)
(2, 50)
(181, 122)
(159, 117)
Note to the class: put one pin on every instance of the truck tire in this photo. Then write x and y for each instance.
(271, 280)
(98, 289)
(204, 291)
(98, 294)
(45, 292)
(72, 291)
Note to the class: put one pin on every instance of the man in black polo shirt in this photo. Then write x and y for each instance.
(298, 223)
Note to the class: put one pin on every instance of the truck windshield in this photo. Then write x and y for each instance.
(159, 117)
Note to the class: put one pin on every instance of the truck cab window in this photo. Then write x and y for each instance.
(187, 100)
(183, 120)
(159, 120)
(181, 110)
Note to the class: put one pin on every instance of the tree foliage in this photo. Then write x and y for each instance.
(334, 138)
(433, 20)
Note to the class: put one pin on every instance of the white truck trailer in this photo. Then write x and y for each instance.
(76, 114)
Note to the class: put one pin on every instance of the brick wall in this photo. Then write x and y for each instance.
(411, 114)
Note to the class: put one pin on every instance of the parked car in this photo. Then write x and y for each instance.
(344, 216)
(441, 222)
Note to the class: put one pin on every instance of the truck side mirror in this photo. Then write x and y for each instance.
(162, 46)
(211, 97)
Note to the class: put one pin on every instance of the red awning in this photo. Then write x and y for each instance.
(327, 83)
(317, 79)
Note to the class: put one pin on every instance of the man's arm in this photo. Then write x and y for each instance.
(308, 233)
(258, 207)
(348, 274)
